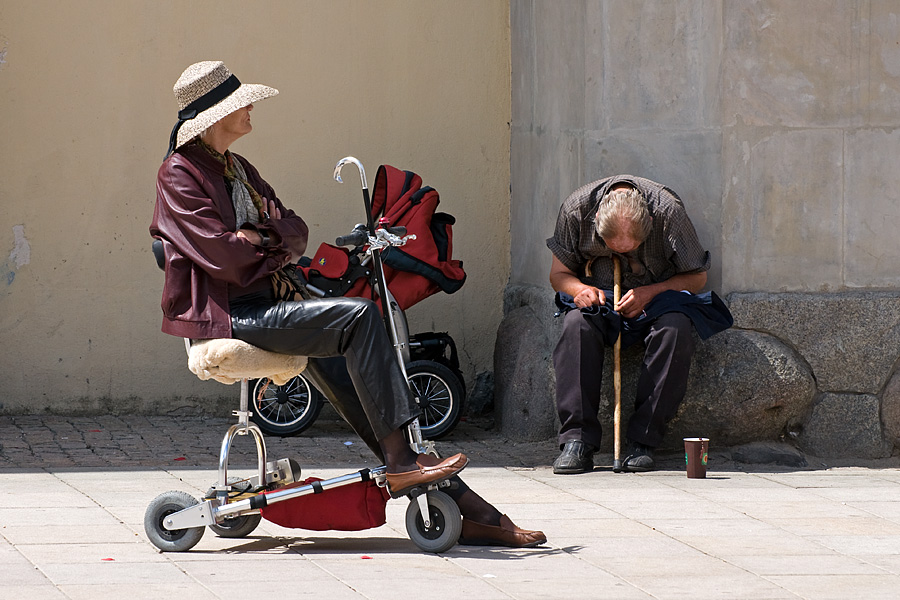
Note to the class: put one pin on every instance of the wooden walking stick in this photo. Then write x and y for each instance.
(617, 373)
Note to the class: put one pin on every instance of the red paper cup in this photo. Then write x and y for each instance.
(696, 455)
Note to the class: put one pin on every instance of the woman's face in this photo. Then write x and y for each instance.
(236, 124)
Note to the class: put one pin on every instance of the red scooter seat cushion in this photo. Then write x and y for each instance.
(351, 507)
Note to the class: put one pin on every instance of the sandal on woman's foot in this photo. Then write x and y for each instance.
(507, 534)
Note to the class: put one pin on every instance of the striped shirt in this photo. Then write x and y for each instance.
(671, 248)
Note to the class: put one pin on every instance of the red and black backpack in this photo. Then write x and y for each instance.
(412, 272)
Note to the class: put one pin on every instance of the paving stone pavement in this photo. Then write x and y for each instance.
(73, 491)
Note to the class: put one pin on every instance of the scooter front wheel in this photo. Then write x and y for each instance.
(446, 523)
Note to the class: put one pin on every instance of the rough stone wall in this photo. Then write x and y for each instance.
(814, 370)
(780, 132)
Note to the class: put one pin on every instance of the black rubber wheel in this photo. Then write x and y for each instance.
(440, 397)
(446, 523)
(179, 540)
(236, 527)
(285, 410)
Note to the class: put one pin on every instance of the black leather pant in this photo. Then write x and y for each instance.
(340, 336)
(578, 360)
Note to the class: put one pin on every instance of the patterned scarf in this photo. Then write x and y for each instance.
(248, 205)
(286, 283)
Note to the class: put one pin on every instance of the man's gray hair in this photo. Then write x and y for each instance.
(623, 211)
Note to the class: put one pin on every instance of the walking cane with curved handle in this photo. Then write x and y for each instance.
(617, 373)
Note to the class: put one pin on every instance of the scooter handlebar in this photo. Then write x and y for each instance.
(356, 238)
(359, 236)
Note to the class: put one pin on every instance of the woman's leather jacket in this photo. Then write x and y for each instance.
(206, 263)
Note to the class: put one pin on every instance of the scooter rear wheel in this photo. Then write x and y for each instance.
(236, 527)
(179, 540)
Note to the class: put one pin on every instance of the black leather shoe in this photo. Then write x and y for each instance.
(639, 459)
(576, 457)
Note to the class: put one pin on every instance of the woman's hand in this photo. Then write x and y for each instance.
(250, 235)
(272, 209)
(253, 236)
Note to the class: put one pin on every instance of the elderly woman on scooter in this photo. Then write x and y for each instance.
(225, 232)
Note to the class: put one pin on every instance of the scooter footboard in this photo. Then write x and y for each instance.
(212, 511)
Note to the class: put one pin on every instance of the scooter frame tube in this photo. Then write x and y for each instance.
(417, 441)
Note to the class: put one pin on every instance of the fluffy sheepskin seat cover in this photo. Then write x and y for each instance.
(229, 360)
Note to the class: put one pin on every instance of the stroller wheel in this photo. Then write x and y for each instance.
(446, 523)
(439, 394)
(179, 540)
(285, 410)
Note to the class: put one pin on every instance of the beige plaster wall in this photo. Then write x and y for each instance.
(775, 120)
(86, 101)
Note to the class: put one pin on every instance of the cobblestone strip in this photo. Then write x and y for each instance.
(169, 441)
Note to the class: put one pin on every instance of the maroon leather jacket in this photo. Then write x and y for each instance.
(205, 261)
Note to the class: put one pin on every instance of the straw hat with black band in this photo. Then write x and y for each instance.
(207, 92)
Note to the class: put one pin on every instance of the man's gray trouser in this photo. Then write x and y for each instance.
(578, 360)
